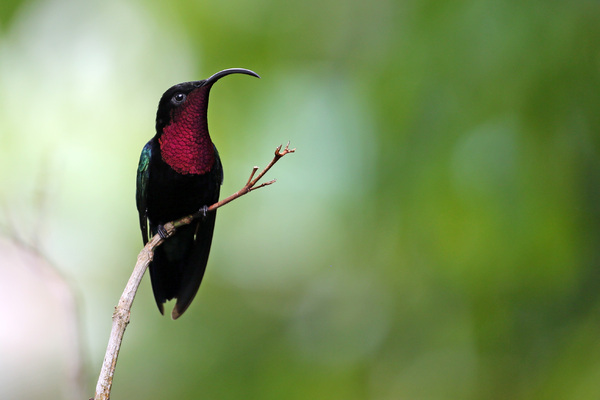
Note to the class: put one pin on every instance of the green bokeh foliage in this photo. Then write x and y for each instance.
(436, 234)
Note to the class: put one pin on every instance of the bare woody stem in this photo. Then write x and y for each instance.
(122, 311)
(248, 187)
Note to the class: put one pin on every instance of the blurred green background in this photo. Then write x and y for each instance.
(436, 235)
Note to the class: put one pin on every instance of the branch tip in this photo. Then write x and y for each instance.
(263, 185)
(286, 150)
(254, 169)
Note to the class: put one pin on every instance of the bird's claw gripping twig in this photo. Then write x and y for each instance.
(203, 211)
(162, 232)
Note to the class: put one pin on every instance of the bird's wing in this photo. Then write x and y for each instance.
(193, 269)
(141, 192)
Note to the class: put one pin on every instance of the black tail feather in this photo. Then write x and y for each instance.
(179, 264)
(195, 265)
(164, 277)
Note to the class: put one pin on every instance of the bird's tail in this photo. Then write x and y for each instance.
(179, 264)
(194, 268)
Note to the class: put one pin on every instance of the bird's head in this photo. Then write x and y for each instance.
(186, 103)
(182, 126)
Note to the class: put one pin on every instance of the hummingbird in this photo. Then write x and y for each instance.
(180, 173)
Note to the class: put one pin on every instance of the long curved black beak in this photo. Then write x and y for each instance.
(226, 72)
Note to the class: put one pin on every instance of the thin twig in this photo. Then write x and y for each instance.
(278, 155)
(251, 175)
(123, 309)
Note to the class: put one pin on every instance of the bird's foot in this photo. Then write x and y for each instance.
(203, 211)
(162, 232)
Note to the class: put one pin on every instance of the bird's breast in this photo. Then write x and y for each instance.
(187, 150)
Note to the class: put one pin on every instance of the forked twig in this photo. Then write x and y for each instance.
(248, 187)
(122, 311)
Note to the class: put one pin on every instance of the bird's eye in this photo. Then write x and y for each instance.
(179, 98)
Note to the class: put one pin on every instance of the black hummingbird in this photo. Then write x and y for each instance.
(180, 173)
